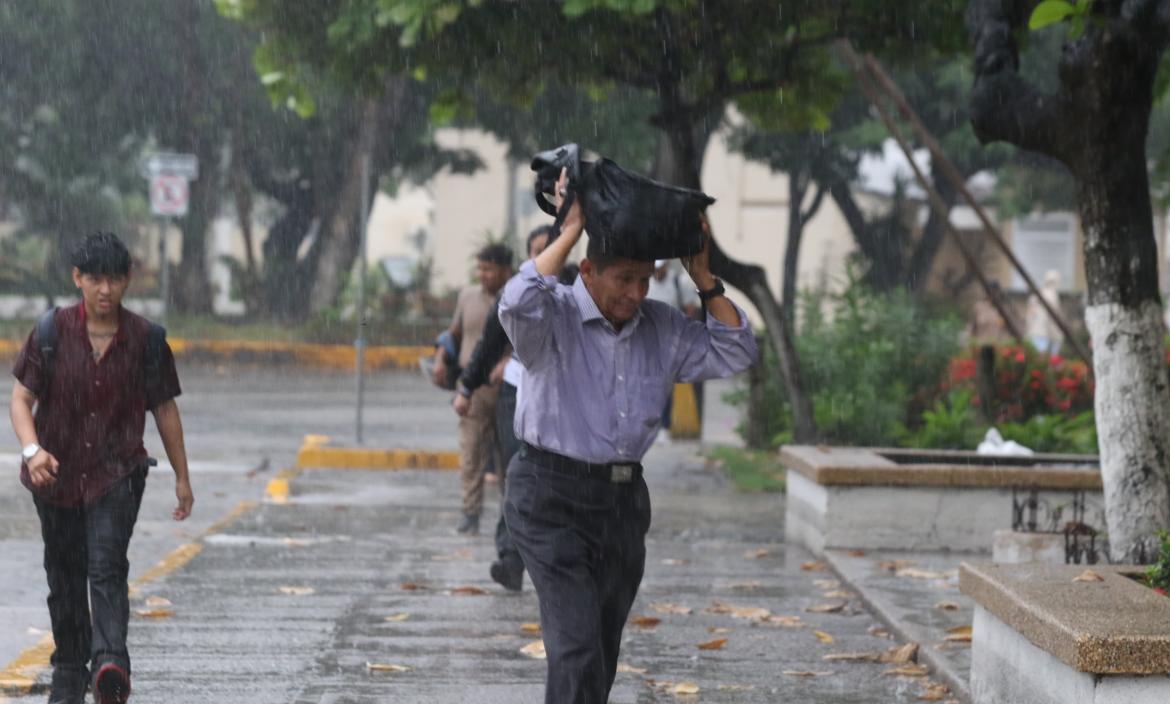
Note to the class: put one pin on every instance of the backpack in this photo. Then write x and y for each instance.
(45, 339)
(635, 217)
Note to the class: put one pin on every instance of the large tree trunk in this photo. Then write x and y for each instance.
(679, 162)
(1096, 124)
(917, 275)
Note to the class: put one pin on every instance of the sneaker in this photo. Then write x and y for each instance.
(508, 574)
(111, 686)
(469, 525)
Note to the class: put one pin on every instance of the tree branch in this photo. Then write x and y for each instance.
(1004, 106)
(814, 206)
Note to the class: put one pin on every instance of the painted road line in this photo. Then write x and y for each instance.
(279, 488)
(21, 676)
(329, 457)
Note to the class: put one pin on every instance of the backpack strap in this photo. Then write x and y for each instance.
(156, 337)
(45, 339)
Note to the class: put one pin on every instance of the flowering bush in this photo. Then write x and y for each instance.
(1026, 384)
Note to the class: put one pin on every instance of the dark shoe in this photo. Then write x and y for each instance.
(111, 686)
(69, 685)
(509, 574)
(469, 525)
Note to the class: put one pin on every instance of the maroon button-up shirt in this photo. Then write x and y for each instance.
(92, 415)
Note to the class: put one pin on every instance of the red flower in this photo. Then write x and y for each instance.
(1020, 357)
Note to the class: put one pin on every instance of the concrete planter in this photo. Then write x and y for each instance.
(892, 499)
(1041, 637)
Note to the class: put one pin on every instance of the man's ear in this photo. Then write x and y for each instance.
(586, 269)
(77, 277)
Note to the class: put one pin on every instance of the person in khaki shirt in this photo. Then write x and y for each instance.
(477, 434)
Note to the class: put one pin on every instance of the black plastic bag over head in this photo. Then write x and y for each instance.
(635, 217)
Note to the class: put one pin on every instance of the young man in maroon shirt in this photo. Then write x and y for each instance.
(86, 466)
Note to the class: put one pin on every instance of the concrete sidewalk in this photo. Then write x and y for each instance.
(292, 602)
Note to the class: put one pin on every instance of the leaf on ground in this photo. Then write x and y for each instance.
(827, 583)
(715, 630)
(685, 688)
(852, 657)
(534, 650)
(814, 567)
(894, 565)
(530, 628)
(1088, 576)
(784, 621)
(645, 621)
(675, 562)
(297, 591)
(961, 634)
(624, 667)
(906, 653)
(154, 613)
(468, 591)
(824, 637)
(879, 632)
(746, 586)
(458, 555)
(748, 612)
(934, 692)
(664, 608)
(386, 667)
(398, 618)
(716, 644)
(831, 608)
(806, 673)
(907, 671)
(839, 594)
(412, 587)
(915, 573)
(156, 602)
(856, 553)
(947, 606)
(736, 688)
(757, 554)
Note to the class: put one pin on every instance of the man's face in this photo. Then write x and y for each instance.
(102, 293)
(538, 244)
(492, 276)
(618, 289)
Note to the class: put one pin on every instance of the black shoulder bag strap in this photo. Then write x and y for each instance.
(45, 339)
(156, 337)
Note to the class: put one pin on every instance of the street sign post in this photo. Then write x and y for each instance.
(169, 174)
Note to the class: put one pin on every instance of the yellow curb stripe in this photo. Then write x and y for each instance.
(280, 487)
(313, 355)
(319, 457)
(19, 677)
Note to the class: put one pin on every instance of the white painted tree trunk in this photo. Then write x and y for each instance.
(1133, 424)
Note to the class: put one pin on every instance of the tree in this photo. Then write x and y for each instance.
(1096, 121)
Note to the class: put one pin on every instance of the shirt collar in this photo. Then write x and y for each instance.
(590, 311)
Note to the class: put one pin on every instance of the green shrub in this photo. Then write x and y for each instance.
(952, 424)
(1055, 433)
(1158, 573)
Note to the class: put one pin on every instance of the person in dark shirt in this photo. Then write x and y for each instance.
(86, 466)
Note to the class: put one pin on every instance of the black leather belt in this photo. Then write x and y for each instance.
(615, 472)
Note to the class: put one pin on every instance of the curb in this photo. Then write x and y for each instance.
(317, 453)
(340, 357)
(28, 673)
(960, 688)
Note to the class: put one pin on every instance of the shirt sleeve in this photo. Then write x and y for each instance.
(168, 383)
(527, 313)
(488, 352)
(29, 368)
(713, 350)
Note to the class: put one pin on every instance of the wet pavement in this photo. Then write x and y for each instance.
(358, 590)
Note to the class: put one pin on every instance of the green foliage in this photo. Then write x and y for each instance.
(865, 362)
(750, 470)
(1158, 573)
(952, 423)
(1055, 433)
(1051, 12)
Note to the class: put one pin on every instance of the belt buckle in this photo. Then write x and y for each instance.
(621, 473)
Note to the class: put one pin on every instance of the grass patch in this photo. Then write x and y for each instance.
(750, 470)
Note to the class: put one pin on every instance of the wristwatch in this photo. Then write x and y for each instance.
(30, 451)
(716, 290)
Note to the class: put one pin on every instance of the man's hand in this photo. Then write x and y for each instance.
(186, 498)
(42, 469)
(698, 266)
(439, 371)
(574, 220)
(462, 405)
(497, 373)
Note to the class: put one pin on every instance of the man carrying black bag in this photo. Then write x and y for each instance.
(600, 361)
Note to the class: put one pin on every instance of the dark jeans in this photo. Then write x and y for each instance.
(86, 565)
(509, 444)
(583, 542)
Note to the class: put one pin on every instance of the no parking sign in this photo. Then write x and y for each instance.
(168, 195)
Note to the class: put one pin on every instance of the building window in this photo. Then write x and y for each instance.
(1045, 243)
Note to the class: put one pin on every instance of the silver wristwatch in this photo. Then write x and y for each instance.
(30, 451)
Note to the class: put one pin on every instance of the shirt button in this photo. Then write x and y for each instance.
(621, 452)
(622, 414)
(88, 445)
(621, 378)
(97, 383)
